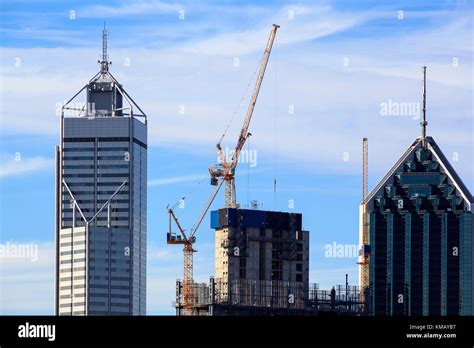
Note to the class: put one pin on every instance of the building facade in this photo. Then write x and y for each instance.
(420, 227)
(101, 197)
(261, 258)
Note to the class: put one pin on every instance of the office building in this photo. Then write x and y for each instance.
(101, 201)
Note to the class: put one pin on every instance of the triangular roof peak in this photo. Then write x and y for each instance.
(445, 167)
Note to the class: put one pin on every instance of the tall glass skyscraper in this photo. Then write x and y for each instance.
(101, 196)
(420, 234)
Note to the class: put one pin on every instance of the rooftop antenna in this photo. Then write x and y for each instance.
(104, 63)
(365, 162)
(423, 123)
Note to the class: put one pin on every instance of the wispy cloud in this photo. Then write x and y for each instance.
(176, 180)
(28, 287)
(299, 24)
(14, 166)
(129, 8)
(334, 106)
(51, 35)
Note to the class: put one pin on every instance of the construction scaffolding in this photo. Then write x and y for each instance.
(255, 297)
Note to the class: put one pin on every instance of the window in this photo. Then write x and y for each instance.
(113, 166)
(78, 149)
(276, 275)
(113, 149)
(242, 262)
(78, 158)
(299, 277)
(78, 166)
(119, 158)
(299, 267)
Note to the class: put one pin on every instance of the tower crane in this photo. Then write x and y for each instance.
(364, 253)
(226, 170)
(222, 172)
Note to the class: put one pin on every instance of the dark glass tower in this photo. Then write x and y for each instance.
(420, 227)
(101, 196)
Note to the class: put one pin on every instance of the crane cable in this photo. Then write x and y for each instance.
(240, 101)
(186, 195)
(227, 127)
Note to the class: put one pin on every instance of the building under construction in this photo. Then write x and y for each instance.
(262, 268)
(261, 257)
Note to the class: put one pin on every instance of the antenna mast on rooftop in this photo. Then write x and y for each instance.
(104, 63)
(423, 123)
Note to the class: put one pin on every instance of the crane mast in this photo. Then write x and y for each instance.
(219, 174)
(226, 170)
(364, 254)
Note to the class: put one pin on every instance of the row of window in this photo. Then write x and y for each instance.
(75, 269)
(75, 243)
(69, 287)
(112, 295)
(69, 296)
(92, 268)
(96, 286)
(99, 201)
(109, 139)
(95, 277)
(80, 251)
(123, 176)
(113, 287)
(119, 218)
(77, 234)
(64, 279)
(75, 260)
(87, 184)
(77, 304)
(109, 192)
(87, 149)
(112, 304)
(118, 210)
(100, 166)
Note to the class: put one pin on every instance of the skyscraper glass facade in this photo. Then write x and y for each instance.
(101, 206)
(420, 232)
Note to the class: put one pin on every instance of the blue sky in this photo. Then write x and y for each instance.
(334, 64)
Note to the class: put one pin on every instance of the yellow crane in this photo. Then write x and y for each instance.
(364, 253)
(226, 170)
(220, 173)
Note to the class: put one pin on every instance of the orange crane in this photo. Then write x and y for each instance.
(220, 173)
(364, 253)
(226, 170)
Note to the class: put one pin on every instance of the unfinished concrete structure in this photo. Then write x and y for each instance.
(262, 268)
(257, 249)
